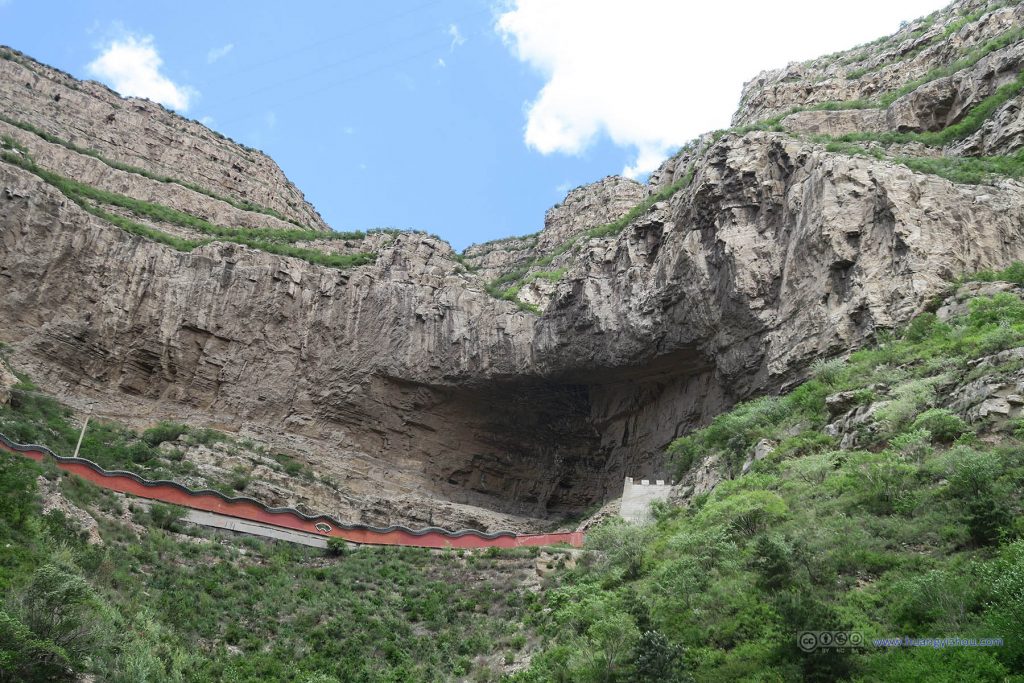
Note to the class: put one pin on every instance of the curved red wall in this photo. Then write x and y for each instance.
(256, 512)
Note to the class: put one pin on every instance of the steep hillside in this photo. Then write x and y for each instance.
(145, 597)
(865, 527)
(527, 376)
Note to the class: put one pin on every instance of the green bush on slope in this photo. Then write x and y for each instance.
(915, 533)
(269, 240)
(158, 608)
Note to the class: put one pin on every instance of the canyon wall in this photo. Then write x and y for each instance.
(527, 376)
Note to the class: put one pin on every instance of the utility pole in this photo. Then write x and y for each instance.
(82, 435)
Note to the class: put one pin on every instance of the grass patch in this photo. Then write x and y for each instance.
(265, 239)
(243, 204)
(964, 170)
(968, 170)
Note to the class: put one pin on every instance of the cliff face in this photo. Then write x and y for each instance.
(868, 73)
(143, 134)
(755, 253)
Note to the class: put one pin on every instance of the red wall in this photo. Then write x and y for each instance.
(244, 509)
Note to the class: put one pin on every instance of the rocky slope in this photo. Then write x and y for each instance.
(420, 377)
(144, 135)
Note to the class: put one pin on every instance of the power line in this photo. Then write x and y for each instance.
(309, 46)
(324, 67)
(321, 89)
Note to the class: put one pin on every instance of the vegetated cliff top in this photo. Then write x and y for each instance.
(877, 73)
(143, 136)
(940, 96)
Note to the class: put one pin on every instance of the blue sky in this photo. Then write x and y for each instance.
(465, 118)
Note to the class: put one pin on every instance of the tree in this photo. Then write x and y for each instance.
(59, 607)
(25, 658)
(657, 660)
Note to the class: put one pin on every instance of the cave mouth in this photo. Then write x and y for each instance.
(548, 446)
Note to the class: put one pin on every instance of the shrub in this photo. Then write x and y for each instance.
(828, 371)
(975, 482)
(773, 561)
(913, 444)
(973, 472)
(165, 516)
(27, 658)
(908, 400)
(943, 425)
(883, 481)
(747, 512)
(1005, 609)
(987, 516)
(921, 327)
(621, 546)
(165, 431)
(337, 547)
(60, 608)
(1002, 308)
(658, 660)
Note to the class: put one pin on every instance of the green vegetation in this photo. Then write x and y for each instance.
(243, 204)
(162, 607)
(965, 127)
(34, 418)
(916, 531)
(616, 226)
(970, 58)
(508, 285)
(1013, 273)
(968, 170)
(265, 239)
(965, 170)
(969, 124)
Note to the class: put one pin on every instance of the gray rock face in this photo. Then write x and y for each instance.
(868, 71)
(541, 257)
(145, 135)
(429, 400)
(7, 381)
(1001, 134)
(404, 376)
(934, 106)
(588, 206)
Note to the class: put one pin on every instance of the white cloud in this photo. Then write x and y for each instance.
(270, 118)
(219, 53)
(349, 130)
(653, 74)
(207, 121)
(441, 63)
(457, 37)
(131, 66)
